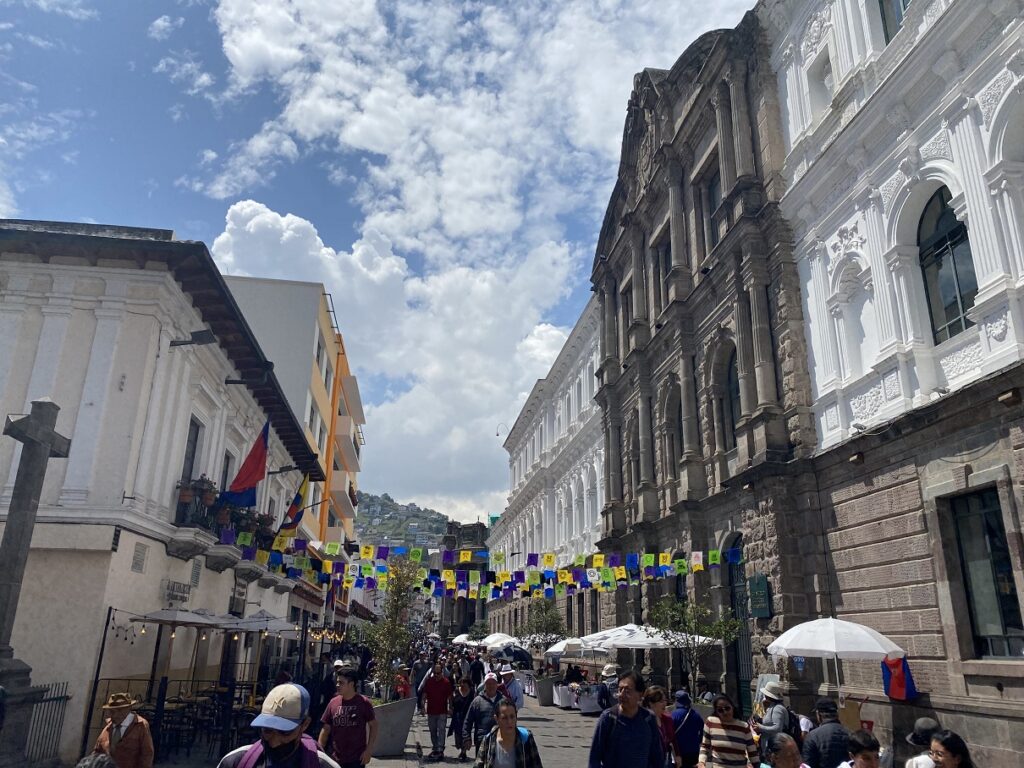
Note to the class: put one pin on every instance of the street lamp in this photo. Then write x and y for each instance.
(497, 429)
(199, 338)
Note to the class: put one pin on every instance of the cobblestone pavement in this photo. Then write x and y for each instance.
(563, 738)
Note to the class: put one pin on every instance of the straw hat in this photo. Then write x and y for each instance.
(119, 700)
(610, 670)
(773, 691)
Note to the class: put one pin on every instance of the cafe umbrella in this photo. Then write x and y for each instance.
(173, 618)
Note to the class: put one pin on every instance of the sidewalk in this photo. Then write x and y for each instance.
(563, 738)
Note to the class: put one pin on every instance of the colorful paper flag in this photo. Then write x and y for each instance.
(599, 561)
(465, 555)
(714, 558)
(697, 561)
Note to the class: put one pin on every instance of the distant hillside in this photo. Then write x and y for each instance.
(382, 520)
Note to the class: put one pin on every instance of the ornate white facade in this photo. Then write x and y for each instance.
(556, 457)
(883, 107)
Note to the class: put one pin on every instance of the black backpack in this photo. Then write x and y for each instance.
(793, 727)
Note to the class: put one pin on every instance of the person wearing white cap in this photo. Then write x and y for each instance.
(513, 687)
(282, 744)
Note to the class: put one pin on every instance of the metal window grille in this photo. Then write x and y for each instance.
(197, 568)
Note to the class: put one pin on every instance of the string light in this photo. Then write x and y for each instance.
(143, 630)
(174, 633)
(204, 635)
(235, 636)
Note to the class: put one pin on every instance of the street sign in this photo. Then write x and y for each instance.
(760, 598)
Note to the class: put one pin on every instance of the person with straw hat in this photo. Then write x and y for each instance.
(125, 735)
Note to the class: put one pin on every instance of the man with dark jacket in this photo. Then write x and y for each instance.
(827, 745)
(481, 716)
(689, 728)
(627, 735)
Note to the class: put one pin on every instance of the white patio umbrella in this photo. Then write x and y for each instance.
(433, 636)
(497, 640)
(462, 639)
(595, 640)
(835, 639)
(634, 637)
(568, 645)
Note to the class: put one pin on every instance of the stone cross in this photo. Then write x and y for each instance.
(41, 443)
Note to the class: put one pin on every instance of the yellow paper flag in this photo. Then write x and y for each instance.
(448, 576)
(620, 572)
(280, 543)
(563, 576)
(465, 555)
(665, 558)
(366, 552)
(598, 561)
(262, 556)
(549, 560)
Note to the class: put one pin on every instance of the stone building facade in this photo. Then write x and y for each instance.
(903, 126)
(556, 460)
(703, 377)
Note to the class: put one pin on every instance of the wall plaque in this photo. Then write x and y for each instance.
(760, 596)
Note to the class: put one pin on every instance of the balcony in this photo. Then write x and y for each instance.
(350, 390)
(202, 522)
(346, 437)
(343, 505)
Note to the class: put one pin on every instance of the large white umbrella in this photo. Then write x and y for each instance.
(261, 621)
(462, 639)
(178, 617)
(835, 639)
(497, 641)
(568, 645)
(637, 638)
(596, 640)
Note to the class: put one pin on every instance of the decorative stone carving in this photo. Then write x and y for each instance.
(847, 239)
(938, 147)
(933, 11)
(864, 406)
(832, 417)
(997, 327)
(815, 31)
(992, 94)
(891, 384)
(645, 154)
(962, 361)
(899, 117)
(888, 190)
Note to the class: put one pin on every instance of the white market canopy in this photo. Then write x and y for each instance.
(462, 639)
(497, 640)
(569, 645)
(835, 639)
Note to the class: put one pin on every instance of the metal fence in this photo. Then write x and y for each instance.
(47, 724)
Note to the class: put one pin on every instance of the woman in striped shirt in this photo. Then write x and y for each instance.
(727, 742)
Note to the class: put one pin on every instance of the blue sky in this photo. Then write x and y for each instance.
(442, 167)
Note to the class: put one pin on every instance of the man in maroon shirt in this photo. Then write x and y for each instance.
(436, 690)
(349, 724)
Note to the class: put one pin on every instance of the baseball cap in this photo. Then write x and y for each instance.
(490, 676)
(284, 709)
(826, 706)
(338, 663)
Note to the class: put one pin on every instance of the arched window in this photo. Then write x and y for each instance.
(732, 412)
(947, 267)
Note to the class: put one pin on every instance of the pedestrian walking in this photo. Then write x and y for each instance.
(921, 737)
(283, 742)
(950, 751)
(513, 688)
(605, 689)
(776, 717)
(627, 735)
(482, 713)
(656, 700)
(349, 724)
(460, 705)
(784, 752)
(508, 745)
(435, 694)
(727, 741)
(476, 671)
(827, 745)
(420, 669)
(688, 729)
(125, 735)
(863, 749)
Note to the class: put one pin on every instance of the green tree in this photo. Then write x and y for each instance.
(545, 624)
(692, 628)
(390, 637)
(479, 631)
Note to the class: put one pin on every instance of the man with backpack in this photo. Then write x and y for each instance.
(482, 714)
(283, 743)
(689, 728)
(777, 719)
(627, 735)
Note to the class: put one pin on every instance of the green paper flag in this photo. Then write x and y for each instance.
(681, 568)
(647, 561)
(416, 554)
(332, 548)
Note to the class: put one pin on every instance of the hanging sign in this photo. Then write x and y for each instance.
(760, 597)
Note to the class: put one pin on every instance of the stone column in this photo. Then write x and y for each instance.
(756, 282)
(646, 447)
(726, 151)
(870, 205)
(706, 222)
(609, 337)
(690, 438)
(636, 244)
(742, 140)
(694, 219)
(657, 281)
(826, 350)
(744, 354)
(615, 461)
(1007, 188)
(680, 277)
(716, 409)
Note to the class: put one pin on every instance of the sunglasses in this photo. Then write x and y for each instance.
(724, 708)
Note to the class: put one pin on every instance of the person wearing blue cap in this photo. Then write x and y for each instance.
(283, 743)
(689, 728)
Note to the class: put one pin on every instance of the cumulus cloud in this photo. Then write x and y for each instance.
(469, 136)
(186, 70)
(162, 27)
(73, 9)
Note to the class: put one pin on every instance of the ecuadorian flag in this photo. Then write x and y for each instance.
(293, 516)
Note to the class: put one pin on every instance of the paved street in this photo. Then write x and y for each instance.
(563, 738)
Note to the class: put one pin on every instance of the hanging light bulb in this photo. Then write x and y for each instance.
(204, 635)
(235, 636)
(143, 630)
(174, 633)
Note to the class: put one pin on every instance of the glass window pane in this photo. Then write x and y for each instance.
(965, 276)
(981, 587)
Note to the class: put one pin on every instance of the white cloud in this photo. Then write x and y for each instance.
(164, 26)
(207, 156)
(73, 9)
(471, 135)
(185, 70)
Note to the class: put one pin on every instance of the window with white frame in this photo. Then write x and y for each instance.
(947, 267)
(893, 13)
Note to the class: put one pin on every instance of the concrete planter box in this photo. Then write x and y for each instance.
(395, 720)
(545, 690)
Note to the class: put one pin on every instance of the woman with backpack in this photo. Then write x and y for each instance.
(776, 718)
(508, 745)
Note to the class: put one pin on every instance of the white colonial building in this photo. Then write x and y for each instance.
(556, 457)
(160, 382)
(904, 130)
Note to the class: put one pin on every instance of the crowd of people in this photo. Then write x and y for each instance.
(472, 701)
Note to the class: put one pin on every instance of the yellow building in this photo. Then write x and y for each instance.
(295, 324)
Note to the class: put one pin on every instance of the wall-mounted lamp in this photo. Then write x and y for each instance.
(1010, 397)
(497, 429)
(856, 458)
(282, 470)
(198, 338)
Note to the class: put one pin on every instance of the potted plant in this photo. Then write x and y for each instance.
(388, 639)
(185, 493)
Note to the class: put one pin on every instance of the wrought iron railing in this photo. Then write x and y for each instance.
(46, 726)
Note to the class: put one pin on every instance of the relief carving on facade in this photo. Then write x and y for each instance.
(888, 190)
(997, 327)
(814, 33)
(992, 94)
(847, 239)
(832, 417)
(938, 147)
(864, 406)
(961, 361)
(891, 384)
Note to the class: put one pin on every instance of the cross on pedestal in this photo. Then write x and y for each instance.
(40, 444)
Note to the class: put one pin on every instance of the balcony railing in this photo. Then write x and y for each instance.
(198, 507)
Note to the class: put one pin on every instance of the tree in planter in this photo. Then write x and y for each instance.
(693, 629)
(545, 624)
(390, 637)
(479, 631)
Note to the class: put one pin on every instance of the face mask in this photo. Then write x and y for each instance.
(281, 753)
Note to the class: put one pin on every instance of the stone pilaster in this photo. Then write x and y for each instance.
(742, 141)
(726, 151)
